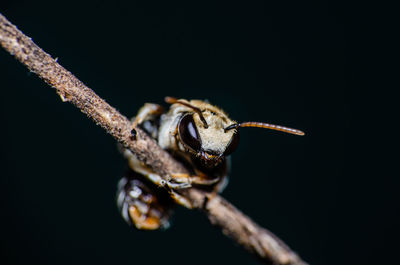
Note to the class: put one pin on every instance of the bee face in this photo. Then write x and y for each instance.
(198, 129)
(204, 135)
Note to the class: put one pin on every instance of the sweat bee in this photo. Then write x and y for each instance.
(200, 135)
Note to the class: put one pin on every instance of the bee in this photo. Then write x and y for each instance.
(201, 136)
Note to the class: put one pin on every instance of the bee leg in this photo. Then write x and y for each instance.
(179, 199)
(143, 204)
(199, 179)
(149, 112)
(141, 168)
(148, 118)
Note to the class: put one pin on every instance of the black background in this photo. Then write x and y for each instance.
(284, 62)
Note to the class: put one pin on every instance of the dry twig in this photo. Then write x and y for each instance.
(234, 224)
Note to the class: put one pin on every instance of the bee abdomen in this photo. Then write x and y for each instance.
(142, 203)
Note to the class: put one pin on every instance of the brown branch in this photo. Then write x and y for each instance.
(234, 224)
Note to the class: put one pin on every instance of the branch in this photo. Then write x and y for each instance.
(234, 223)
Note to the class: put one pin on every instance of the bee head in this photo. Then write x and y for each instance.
(210, 143)
(207, 132)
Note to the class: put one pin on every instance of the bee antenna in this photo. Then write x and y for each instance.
(266, 126)
(172, 100)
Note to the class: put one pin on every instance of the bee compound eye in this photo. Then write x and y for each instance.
(233, 144)
(188, 133)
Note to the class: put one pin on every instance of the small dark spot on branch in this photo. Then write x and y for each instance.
(133, 134)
